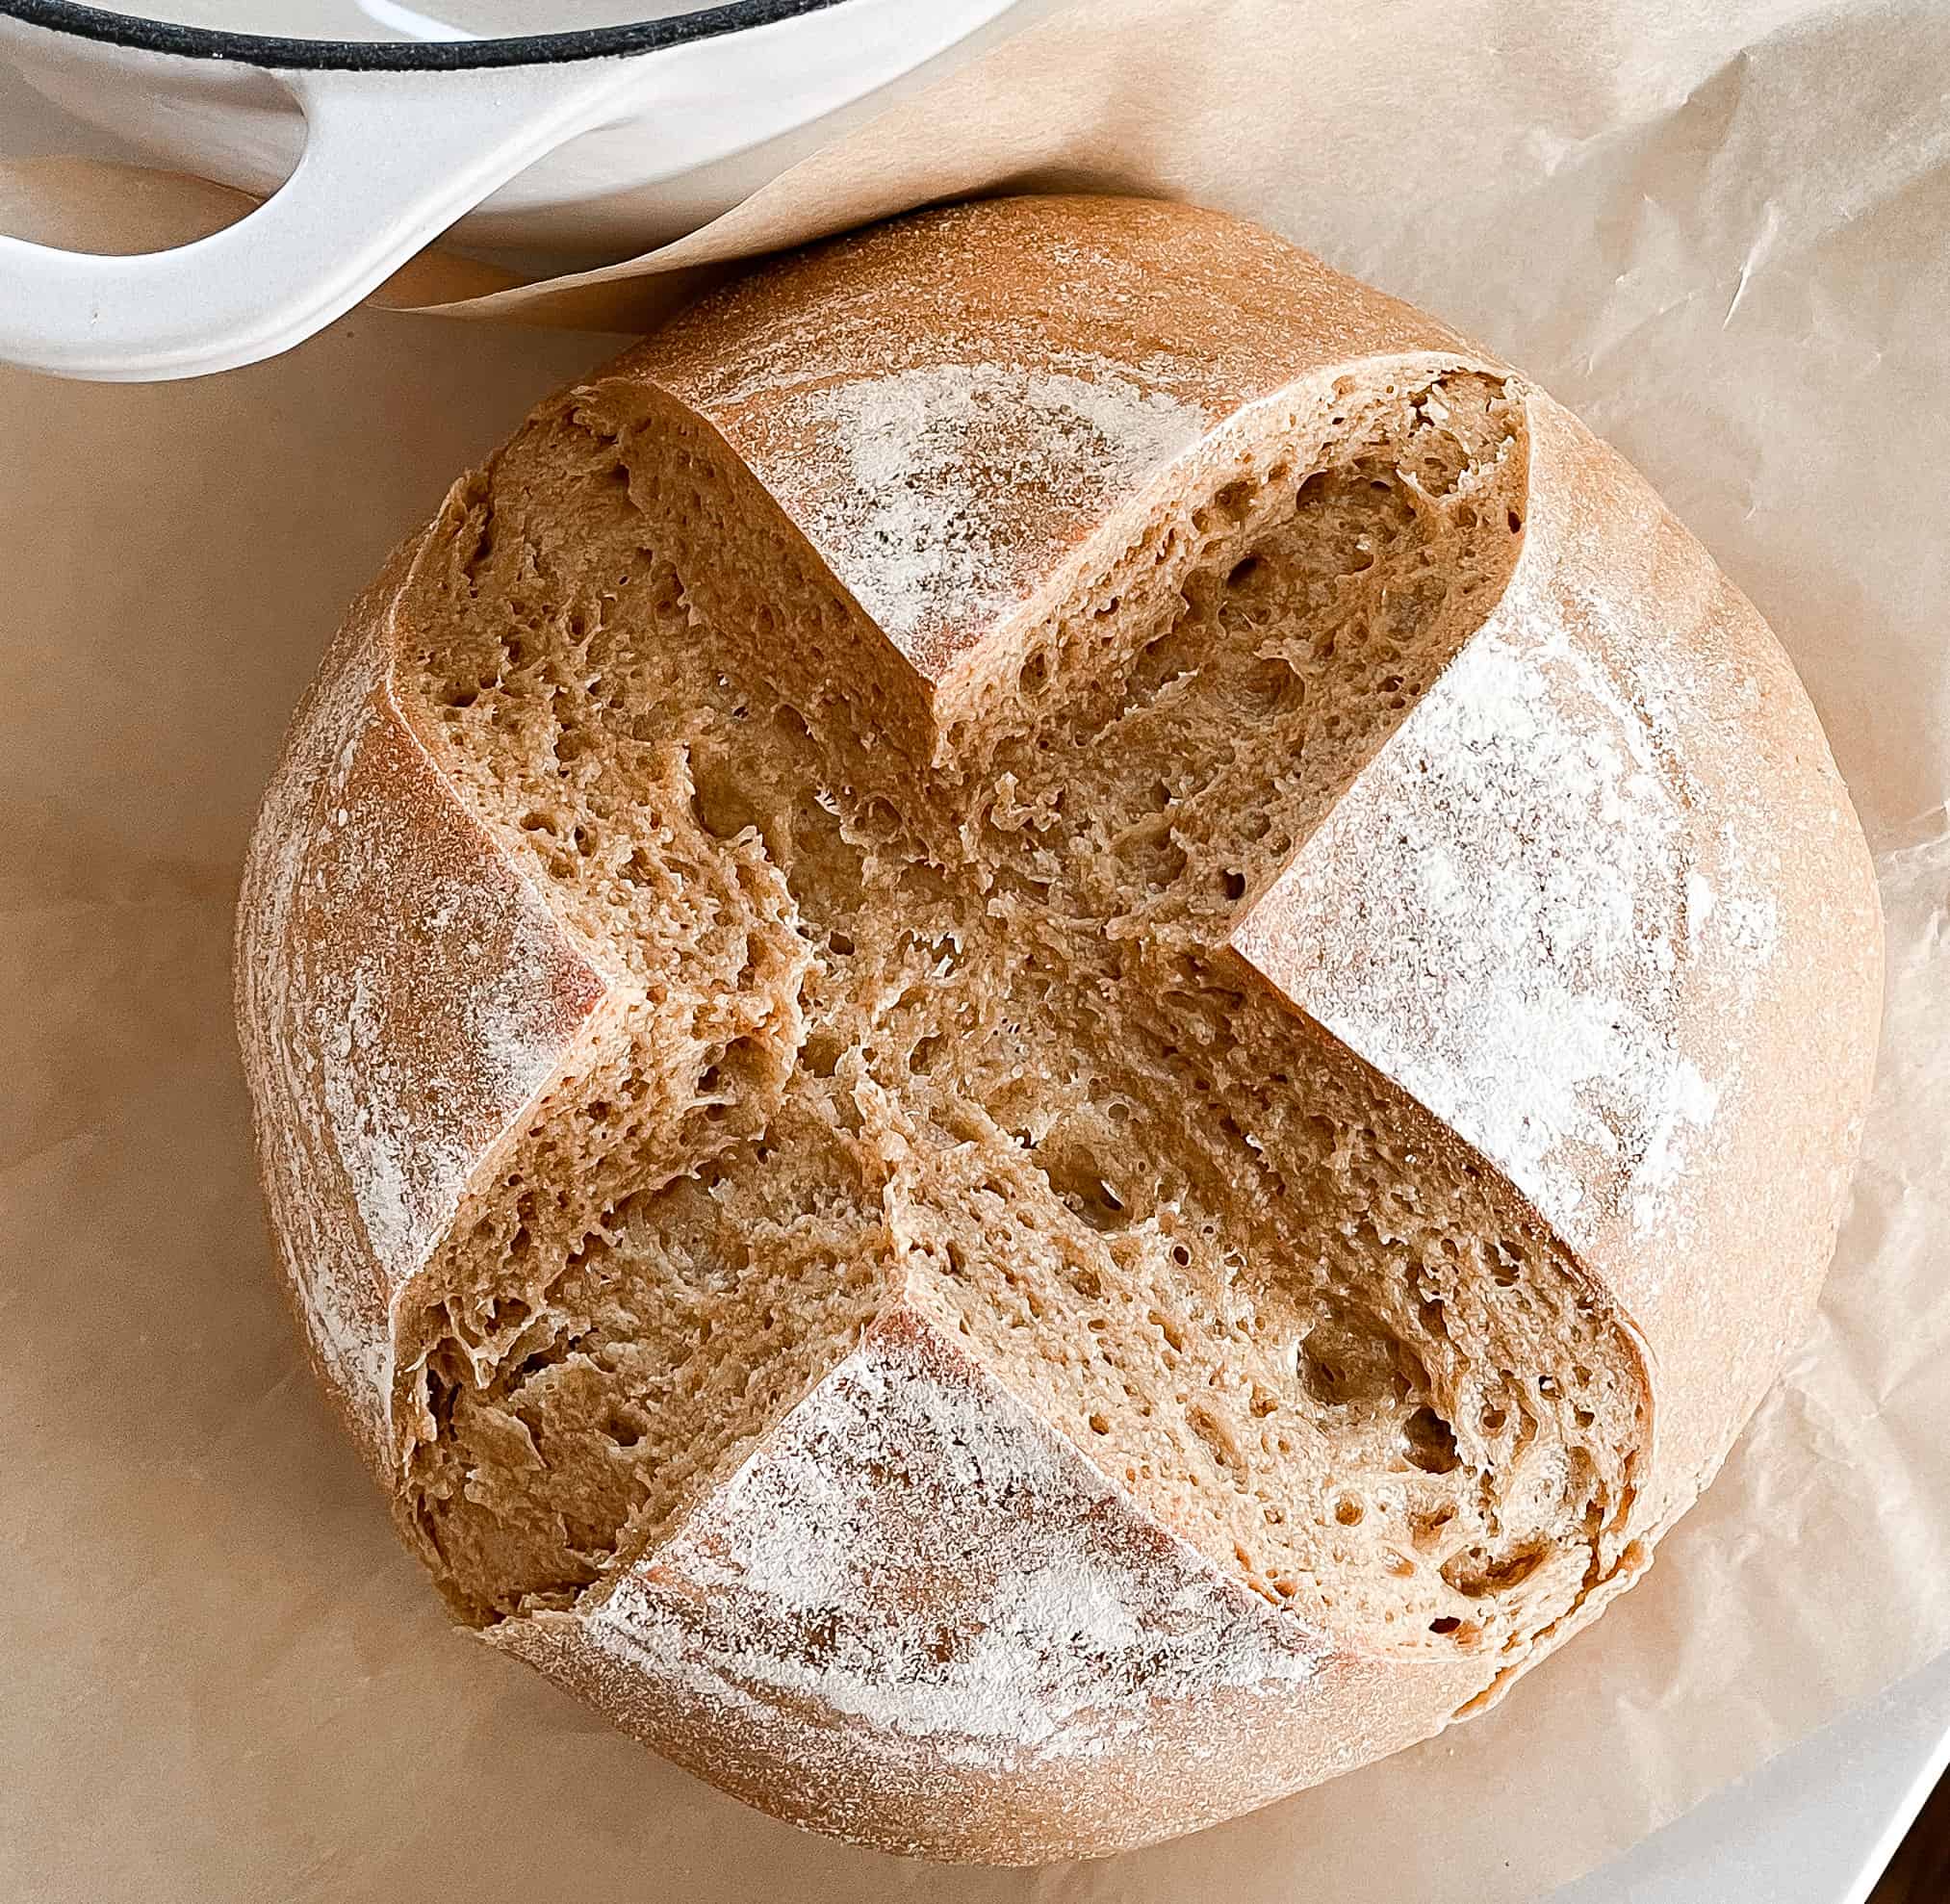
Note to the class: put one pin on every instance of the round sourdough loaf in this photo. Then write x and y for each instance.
(1047, 1028)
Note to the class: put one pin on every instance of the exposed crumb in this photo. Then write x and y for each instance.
(933, 1040)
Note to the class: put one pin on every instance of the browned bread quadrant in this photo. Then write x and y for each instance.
(1049, 1027)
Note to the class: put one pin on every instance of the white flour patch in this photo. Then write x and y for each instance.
(406, 995)
(399, 1122)
(345, 1311)
(1494, 919)
(916, 1550)
(1688, 1106)
(921, 478)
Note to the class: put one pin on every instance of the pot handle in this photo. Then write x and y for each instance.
(389, 160)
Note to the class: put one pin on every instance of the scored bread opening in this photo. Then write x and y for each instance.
(963, 1032)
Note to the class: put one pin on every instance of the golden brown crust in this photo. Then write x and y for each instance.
(1617, 793)
(1121, 1688)
(1601, 906)
(403, 993)
(1164, 323)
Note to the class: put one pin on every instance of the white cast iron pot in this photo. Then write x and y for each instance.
(612, 138)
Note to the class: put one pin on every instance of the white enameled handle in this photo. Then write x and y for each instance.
(391, 159)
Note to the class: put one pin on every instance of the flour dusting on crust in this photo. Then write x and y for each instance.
(1515, 913)
(406, 995)
(920, 477)
(914, 1550)
(1492, 917)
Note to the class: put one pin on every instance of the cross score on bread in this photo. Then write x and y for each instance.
(1051, 1027)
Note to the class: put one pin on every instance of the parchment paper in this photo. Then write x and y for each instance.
(1725, 241)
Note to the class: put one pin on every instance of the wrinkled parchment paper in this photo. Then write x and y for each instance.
(1725, 240)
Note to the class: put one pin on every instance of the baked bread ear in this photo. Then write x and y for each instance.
(1049, 1027)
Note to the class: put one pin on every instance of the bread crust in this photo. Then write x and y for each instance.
(1621, 733)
